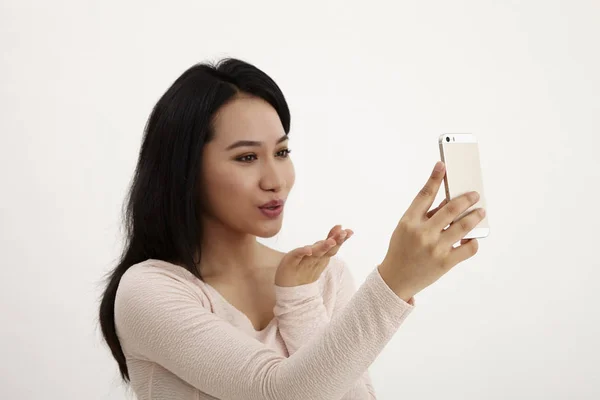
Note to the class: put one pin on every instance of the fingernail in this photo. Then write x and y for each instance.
(438, 166)
(482, 212)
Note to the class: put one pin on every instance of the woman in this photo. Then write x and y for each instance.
(197, 308)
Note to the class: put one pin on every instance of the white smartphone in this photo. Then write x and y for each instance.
(460, 154)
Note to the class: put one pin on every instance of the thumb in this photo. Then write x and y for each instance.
(293, 258)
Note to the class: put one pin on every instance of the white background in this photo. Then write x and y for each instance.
(370, 85)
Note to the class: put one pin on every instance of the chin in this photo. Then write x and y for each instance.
(268, 230)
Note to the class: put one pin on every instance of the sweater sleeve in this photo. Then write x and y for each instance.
(346, 289)
(301, 315)
(160, 317)
(363, 389)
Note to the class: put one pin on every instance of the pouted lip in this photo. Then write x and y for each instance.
(272, 203)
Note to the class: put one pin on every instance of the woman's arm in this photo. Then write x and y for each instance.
(346, 289)
(160, 317)
(301, 315)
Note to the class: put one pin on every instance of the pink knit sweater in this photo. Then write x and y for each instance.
(183, 340)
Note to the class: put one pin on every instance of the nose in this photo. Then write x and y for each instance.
(272, 177)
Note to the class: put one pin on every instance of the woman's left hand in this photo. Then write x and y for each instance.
(305, 264)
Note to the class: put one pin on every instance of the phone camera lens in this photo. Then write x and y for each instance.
(447, 138)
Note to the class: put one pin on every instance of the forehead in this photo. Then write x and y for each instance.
(247, 118)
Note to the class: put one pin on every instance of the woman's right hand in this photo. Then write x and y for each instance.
(420, 249)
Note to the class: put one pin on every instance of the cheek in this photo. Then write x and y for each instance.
(228, 191)
(290, 175)
(228, 187)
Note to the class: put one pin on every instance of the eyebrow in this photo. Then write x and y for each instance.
(245, 143)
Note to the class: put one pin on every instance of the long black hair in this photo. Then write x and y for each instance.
(161, 217)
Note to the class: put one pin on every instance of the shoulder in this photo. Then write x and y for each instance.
(336, 273)
(153, 296)
(151, 280)
(158, 268)
(157, 271)
(338, 268)
(338, 284)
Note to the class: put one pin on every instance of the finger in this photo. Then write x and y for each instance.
(459, 229)
(431, 212)
(342, 236)
(304, 251)
(340, 239)
(322, 247)
(335, 230)
(422, 202)
(465, 251)
(451, 211)
(294, 257)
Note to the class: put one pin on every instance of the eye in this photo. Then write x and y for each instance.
(248, 158)
(286, 152)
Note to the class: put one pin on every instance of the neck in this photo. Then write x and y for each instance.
(225, 252)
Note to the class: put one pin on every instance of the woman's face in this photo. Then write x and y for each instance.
(245, 166)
